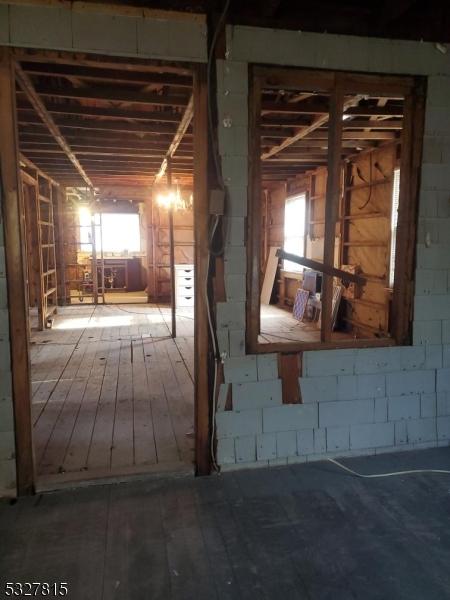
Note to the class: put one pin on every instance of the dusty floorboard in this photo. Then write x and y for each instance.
(305, 531)
(112, 391)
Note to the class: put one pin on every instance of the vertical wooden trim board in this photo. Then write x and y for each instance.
(201, 223)
(12, 203)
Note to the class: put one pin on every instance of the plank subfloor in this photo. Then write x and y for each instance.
(301, 532)
(112, 391)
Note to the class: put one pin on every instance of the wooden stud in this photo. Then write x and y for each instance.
(12, 203)
(201, 221)
(173, 308)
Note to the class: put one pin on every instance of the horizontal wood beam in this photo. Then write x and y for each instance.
(115, 75)
(97, 125)
(89, 112)
(182, 128)
(315, 107)
(113, 94)
(25, 83)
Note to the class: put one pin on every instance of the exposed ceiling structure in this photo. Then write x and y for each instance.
(93, 121)
(397, 19)
(294, 129)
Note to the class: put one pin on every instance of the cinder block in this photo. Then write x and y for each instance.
(235, 260)
(233, 107)
(2, 258)
(438, 91)
(442, 404)
(152, 37)
(376, 360)
(430, 281)
(40, 26)
(380, 410)
(257, 394)
(347, 388)
(435, 306)
(6, 414)
(401, 433)
(443, 380)
(321, 363)
(428, 204)
(237, 201)
(410, 382)
(278, 462)
(446, 356)
(286, 444)
(4, 322)
(235, 234)
(188, 39)
(235, 170)
(3, 289)
(4, 24)
(267, 365)
(443, 428)
(305, 441)
(290, 417)
(320, 441)
(371, 386)
(237, 342)
(374, 435)
(318, 389)
(240, 369)
(224, 341)
(346, 412)
(245, 448)
(7, 475)
(232, 423)
(233, 141)
(427, 258)
(404, 407)
(428, 403)
(108, 33)
(224, 390)
(225, 451)
(235, 287)
(433, 356)
(421, 430)
(230, 315)
(7, 445)
(427, 332)
(338, 438)
(266, 446)
(5, 356)
(411, 357)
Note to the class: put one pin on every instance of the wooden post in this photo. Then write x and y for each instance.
(173, 307)
(201, 223)
(11, 203)
(150, 254)
(332, 202)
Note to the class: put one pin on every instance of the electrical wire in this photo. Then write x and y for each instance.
(392, 474)
(211, 251)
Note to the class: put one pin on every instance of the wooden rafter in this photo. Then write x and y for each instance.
(304, 131)
(27, 86)
(182, 127)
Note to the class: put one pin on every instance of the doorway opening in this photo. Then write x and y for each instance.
(106, 163)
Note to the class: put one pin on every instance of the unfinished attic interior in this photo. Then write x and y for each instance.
(106, 159)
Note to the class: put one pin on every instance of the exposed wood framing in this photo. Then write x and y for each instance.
(182, 128)
(28, 88)
(201, 212)
(12, 209)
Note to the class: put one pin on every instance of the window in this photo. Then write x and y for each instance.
(114, 232)
(394, 219)
(294, 230)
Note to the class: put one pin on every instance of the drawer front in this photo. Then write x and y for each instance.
(184, 272)
(185, 290)
(182, 281)
(185, 301)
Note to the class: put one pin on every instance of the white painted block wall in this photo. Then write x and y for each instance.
(362, 401)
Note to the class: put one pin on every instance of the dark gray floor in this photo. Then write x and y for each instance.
(306, 531)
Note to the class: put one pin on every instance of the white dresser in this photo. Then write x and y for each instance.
(184, 285)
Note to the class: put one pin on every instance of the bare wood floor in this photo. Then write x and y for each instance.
(112, 393)
(278, 325)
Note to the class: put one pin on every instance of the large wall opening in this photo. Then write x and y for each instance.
(106, 162)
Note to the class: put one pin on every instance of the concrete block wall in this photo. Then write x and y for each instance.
(356, 401)
(143, 33)
(7, 440)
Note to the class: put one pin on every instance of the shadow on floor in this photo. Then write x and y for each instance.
(305, 531)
